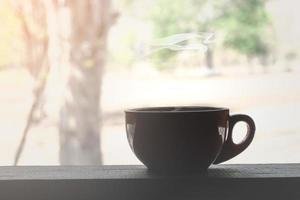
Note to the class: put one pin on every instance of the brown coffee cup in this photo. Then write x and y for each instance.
(184, 138)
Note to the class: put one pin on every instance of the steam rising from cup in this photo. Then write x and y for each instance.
(182, 42)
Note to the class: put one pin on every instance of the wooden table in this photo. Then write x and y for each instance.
(276, 181)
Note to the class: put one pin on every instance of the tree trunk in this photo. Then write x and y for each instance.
(250, 64)
(209, 58)
(79, 126)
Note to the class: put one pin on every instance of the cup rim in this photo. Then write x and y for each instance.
(176, 109)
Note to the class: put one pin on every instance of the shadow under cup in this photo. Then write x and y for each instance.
(184, 138)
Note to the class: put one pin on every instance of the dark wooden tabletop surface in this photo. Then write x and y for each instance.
(137, 172)
(259, 181)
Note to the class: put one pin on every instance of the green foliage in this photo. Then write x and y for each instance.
(122, 46)
(245, 25)
(172, 17)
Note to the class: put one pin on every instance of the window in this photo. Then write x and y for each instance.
(52, 72)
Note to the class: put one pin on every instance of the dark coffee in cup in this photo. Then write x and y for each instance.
(184, 138)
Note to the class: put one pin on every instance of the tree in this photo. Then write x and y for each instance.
(80, 113)
(76, 34)
(245, 25)
(169, 18)
(32, 20)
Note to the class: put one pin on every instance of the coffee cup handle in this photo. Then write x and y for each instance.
(231, 149)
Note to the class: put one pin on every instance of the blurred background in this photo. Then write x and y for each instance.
(68, 69)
